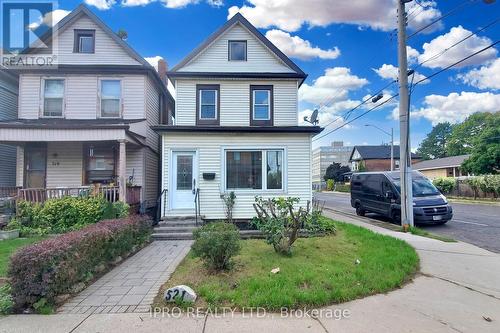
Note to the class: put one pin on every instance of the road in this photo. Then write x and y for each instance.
(478, 224)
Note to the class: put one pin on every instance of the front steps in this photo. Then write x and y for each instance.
(176, 228)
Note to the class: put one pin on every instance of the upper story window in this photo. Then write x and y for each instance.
(261, 105)
(237, 50)
(111, 92)
(53, 98)
(84, 41)
(207, 104)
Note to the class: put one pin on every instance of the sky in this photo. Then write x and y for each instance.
(347, 48)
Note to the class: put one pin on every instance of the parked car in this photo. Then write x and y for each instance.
(379, 192)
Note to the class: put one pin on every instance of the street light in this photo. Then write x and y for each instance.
(392, 142)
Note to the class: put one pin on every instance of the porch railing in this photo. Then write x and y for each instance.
(8, 191)
(110, 193)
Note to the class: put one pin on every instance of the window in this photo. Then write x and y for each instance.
(84, 41)
(254, 170)
(261, 105)
(184, 172)
(100, 164)
(207, 104)
(53, 98)
(110, 98)
(237, 50)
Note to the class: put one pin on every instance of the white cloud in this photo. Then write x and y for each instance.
(412, 55)
(334, 85)
(171, 3)
(486, 77)
(390, 72)
(296, 47)
(101, 4)
(456, 107)
(462, 50)
(290, 15)
(153, 61)
(134, 3)
(50, 19)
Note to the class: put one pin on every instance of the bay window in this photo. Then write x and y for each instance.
(254, 169)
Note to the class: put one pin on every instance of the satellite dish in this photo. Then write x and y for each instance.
(314, 118)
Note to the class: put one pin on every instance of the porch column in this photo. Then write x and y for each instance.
(122, 172)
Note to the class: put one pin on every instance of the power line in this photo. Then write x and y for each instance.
(448, 13)
(361, 115)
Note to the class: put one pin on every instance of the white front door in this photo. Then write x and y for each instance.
(184, 180)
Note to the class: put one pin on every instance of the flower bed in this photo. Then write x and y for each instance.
(40, 272)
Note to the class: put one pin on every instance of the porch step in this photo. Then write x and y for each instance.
(179, 223)
(178, 227)
(166, 230)
(173, 236)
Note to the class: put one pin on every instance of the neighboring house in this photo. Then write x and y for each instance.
(442, 167)
(323, 157)
(89, 120)
(376, 158)
(236, 126)
(8, 111)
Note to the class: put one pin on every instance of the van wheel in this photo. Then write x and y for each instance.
(396, 217)
(359, 210)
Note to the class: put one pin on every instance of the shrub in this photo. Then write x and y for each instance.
(444, 184)
(346, 188)
(215, 243)
(64, 214)
(5, 300)
(40, 272)
(229, 200)
(330, 184)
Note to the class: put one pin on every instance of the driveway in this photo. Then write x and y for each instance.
(475, 223)
(131, 286)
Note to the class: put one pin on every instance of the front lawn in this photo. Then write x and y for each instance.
(321, 271)
(8, 247)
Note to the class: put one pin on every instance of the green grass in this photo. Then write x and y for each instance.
(8, 247)
(423, 233)
(321, 271)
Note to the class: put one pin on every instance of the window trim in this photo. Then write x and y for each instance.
(229, 49)
(284, 184)
(42, 104)
(76, 40)
(214, 121)
(259, 122)
(99, 89)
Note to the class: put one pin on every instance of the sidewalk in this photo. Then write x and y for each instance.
(458, 290)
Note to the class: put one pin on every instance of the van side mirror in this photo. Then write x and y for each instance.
(389, 195)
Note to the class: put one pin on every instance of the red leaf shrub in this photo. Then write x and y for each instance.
(52, 267)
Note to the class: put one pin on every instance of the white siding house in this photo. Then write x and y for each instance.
(89, 120)
(8, 111)
(236, 127)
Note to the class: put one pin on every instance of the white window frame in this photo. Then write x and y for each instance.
(200, 91)
(268, 104)
(42, 104)
(284, 171)
(80, 37)
(230, 53)
(99, 110)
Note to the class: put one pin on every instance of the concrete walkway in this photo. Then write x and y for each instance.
(131, 286)
(458, 290)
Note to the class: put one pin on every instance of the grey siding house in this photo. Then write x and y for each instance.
(8, 111)
(89, 120)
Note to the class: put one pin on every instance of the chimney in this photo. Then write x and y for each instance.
(162, 70)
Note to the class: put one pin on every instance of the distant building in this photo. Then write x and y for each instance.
(442, 167)
(324, 156)
(376, 158)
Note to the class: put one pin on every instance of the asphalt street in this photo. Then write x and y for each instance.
(474, 223)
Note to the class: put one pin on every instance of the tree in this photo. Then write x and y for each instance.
(123, 34)
(464, 135)
(335, 171)
(484, 147)
(435, 144)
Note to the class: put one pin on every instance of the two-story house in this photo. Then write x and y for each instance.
(236, 126)
(8, 111)
(89, 119)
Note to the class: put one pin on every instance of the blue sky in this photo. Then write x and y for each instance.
(339, 44)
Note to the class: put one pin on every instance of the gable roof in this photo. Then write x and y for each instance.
(378, 152)
(238, 18)
(438, 163)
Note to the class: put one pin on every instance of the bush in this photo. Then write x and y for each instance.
(445, 184)
(64, 214)
(215, 243)
(487, 184)
(346, 188)
(40, 272)
(5, 300)
(330, 184)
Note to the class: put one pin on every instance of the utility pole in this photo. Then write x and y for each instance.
(404, 121)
